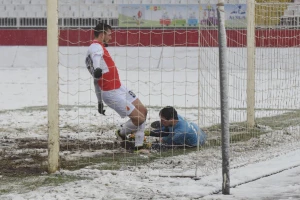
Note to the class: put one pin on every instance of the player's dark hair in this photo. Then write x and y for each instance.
(168, 113)
(101, 28)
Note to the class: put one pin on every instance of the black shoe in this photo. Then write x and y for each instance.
(120, 136)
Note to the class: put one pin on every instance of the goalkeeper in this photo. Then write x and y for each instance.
(115, 95)
(174, 130)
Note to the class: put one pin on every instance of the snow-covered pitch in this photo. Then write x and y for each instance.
(263, 167)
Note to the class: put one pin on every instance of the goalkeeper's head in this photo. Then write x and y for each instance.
(168, 116)
(102, 33)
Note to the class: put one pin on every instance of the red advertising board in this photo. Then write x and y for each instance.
(122, 37)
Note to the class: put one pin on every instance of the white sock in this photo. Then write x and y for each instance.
(128, 128)
(139, 135)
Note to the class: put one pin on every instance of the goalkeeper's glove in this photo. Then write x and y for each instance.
(158, 133)
(156, 124)
(97, 73)
(101, 108)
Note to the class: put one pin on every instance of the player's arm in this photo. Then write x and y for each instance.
(173, 134)
(159, 130)
(99, 97)
(93, 65)
(97, 67)
(167, 139)
(98, 91)
(158, 133)
(94, 61)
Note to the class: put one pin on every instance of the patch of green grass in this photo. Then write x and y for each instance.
(51, 180)
(279, 122)
(26, 183)
(276, 122)
(4, 191)
(240, 132)
(108, 161)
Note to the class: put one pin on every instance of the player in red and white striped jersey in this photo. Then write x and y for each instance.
(115, 95)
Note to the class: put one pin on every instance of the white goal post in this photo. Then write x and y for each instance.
(53, 85)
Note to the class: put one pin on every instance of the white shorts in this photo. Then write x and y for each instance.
(120, 100)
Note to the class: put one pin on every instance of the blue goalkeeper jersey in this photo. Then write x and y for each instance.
(184, 133)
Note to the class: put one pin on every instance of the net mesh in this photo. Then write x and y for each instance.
(167, 56)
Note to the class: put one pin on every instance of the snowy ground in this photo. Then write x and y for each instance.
(266, 167)
(274, 175)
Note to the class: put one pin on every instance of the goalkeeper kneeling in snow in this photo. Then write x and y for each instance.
(175, 130)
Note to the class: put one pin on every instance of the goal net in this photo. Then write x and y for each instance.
(167, 54)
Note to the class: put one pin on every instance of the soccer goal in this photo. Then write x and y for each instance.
(167, 53)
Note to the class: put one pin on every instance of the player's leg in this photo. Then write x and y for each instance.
(136, 123)
(140, 107)
(200, 134)
(136, 111)
(125, 103)
(132, 125)
(202, 137)
(138, 117)
(139, 120)
(116, 99)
